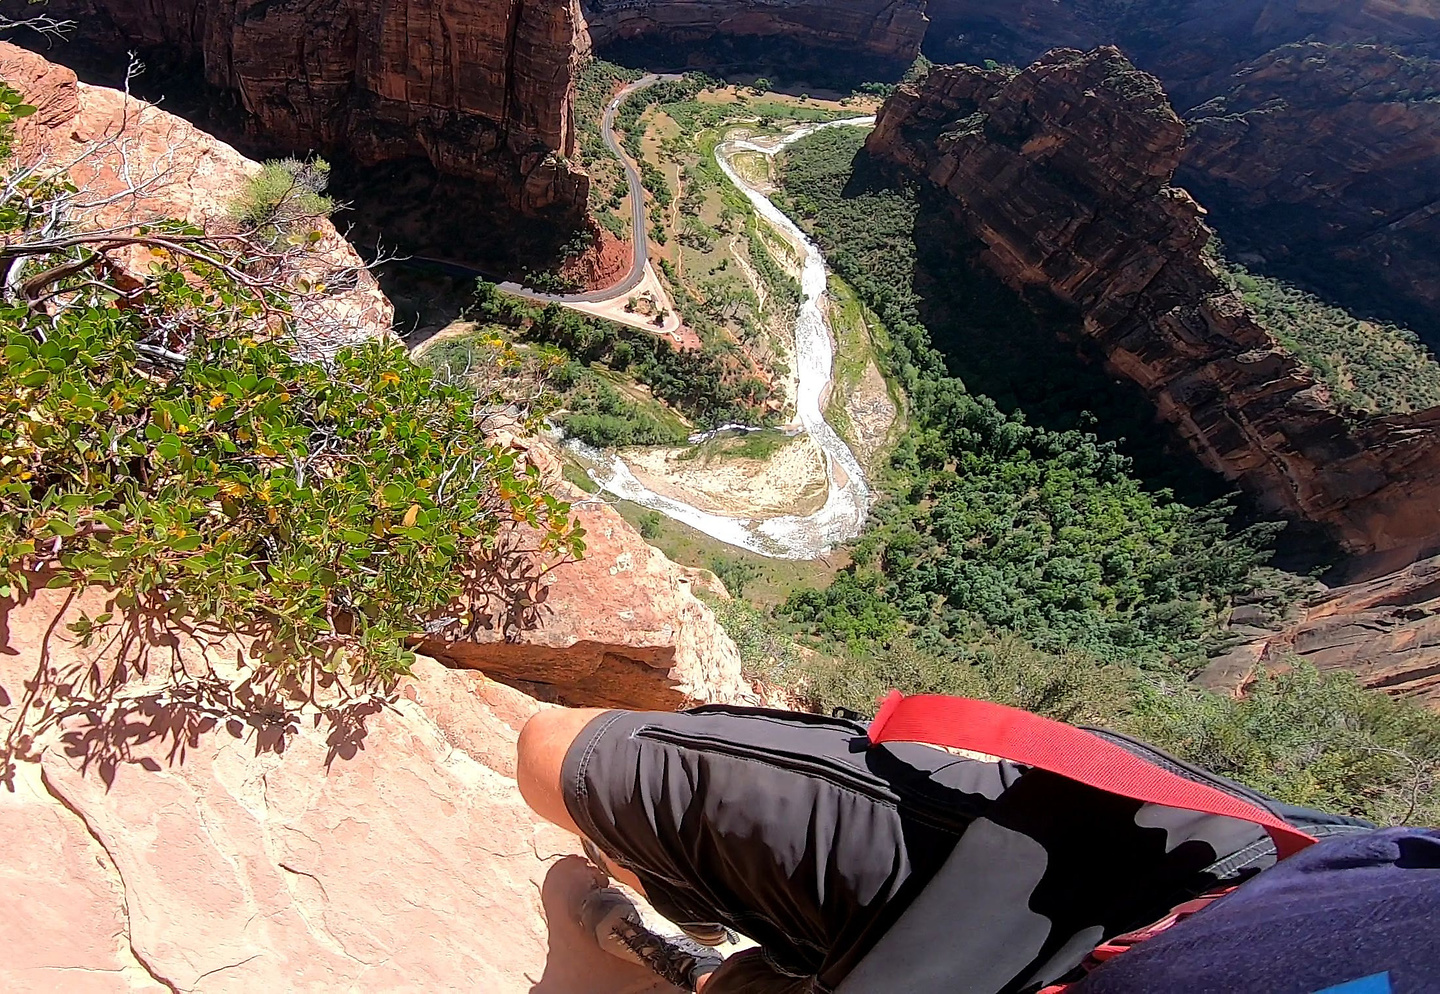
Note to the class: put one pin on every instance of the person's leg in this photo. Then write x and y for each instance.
(781, 826)
(544, 741)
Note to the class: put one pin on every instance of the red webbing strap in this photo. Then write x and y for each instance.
(1030, 740)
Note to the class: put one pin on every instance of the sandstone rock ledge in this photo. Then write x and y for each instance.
(200, 840)
(164, 844)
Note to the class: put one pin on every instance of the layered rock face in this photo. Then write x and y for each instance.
(1062, 173)
(1345, 135)
(879, 30)
(1315, 124)
(1386, 631)
(483, 89)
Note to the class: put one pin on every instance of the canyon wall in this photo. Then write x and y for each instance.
(878, 31)
(1330, 152)
(483, 89)
(1063, 172)
(1385, 630)
(1315, 124)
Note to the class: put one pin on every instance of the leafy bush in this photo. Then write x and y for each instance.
(702, 385)
(159, 437)
(599, 415)
(337, 507)
(736, 574)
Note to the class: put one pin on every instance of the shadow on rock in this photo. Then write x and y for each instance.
(576, 965)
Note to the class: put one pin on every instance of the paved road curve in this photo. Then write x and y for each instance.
(637, 217)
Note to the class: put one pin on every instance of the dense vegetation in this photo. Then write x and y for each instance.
(1033, 565)
(160, 436)
(1371, 367)
(995, 521)
(707, 386)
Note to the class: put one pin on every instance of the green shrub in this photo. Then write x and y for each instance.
(285, 194)
(338, 508)
(158, 437)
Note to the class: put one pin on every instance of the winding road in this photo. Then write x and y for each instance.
(637, 217)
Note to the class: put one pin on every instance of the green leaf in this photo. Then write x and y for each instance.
(168, 447)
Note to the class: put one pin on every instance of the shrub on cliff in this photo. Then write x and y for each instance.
(159, 436)
(283, 195)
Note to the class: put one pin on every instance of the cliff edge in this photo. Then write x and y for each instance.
(1063, 173)
(174, 818)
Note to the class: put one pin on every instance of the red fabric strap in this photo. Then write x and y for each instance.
(1030, 740)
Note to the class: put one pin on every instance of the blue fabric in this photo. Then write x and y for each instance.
(1359, 914)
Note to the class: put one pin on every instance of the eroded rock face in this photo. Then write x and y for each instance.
(1338, 146)
(1386, 631)
(198, 838)
(114, 143)
(1314, 123)
(484, 89)
(884, 31)
(1062, 172)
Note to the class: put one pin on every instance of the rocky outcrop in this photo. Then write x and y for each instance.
(885, 31)
(1193, 46)
(162, 842)
(1332, 149)
(1386, 631)
(112, 143)
(484, 90)
(620, 627)
(1062, 173)
(167, 827)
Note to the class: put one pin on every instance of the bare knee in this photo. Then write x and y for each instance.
(540, 753)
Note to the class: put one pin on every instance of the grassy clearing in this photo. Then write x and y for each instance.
(860, 340)
(756, 445)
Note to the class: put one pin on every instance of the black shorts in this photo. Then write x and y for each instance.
(788, 829)
(780, 825)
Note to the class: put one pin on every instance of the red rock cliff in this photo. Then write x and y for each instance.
(1063, 172)
(883, 30)
(484, 89)
(1315, 123)
(1348, 133)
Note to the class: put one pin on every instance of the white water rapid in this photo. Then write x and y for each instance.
(848, 501)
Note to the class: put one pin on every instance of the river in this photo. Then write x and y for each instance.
(848, 500)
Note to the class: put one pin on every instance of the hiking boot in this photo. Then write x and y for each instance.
(615, 923)
(710, 933)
